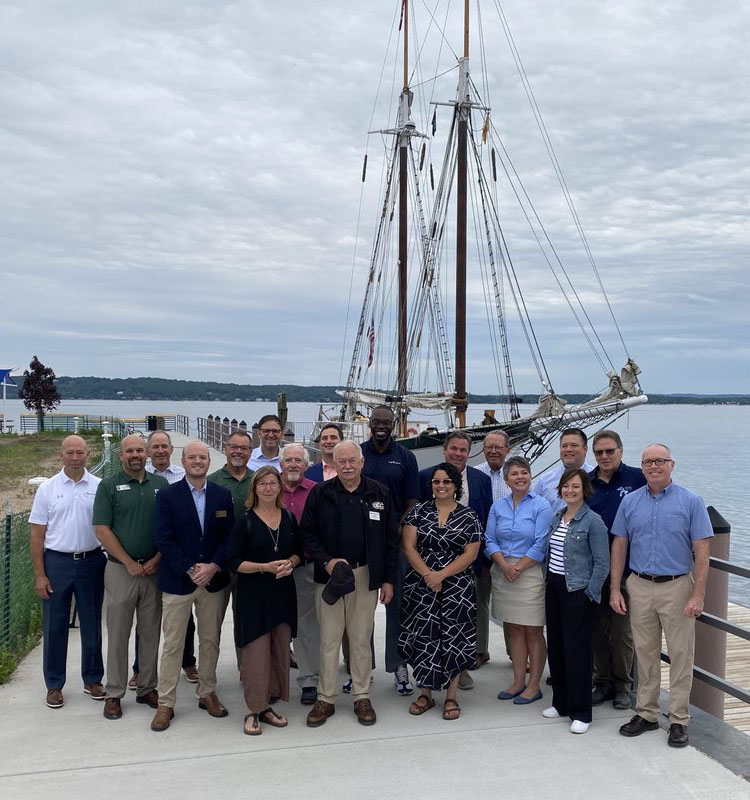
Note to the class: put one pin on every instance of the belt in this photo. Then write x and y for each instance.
(658, 578)
(140, 561)
(79, 555)
(356, 564)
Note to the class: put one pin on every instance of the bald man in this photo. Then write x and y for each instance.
(68, 561)
(124, 524)
(194, 518)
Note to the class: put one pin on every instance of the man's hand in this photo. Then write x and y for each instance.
(386, 593)
(135, 570)
(694, 607)
(332, 563)
(203, 573)
(43, 587)
(151, 567)
(617, 602)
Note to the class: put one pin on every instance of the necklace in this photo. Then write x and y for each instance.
(274, 534)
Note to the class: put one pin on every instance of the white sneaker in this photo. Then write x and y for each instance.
(579, 727)
(347, 687)
(401, 680)
(550, 713)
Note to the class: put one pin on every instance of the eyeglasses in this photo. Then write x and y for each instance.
(655, 462)
(607, 451)
(268, 485)
(439, 481)
(271, 431)
(237, 447)
(489, 447)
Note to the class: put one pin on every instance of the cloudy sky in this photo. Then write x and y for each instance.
(181, 182)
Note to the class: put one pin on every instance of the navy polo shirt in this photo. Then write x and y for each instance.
(396, 469)
(608, 496)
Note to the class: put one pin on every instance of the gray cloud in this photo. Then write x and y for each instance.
(177, 175)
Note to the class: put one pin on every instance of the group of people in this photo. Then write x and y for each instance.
(604, 557)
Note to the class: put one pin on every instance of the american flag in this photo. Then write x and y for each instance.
(371, 339)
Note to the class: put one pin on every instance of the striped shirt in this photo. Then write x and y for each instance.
(556, 547)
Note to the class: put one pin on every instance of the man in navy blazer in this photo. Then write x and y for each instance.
(193, 520)
(478, 487)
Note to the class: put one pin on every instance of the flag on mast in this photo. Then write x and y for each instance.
(371, 339)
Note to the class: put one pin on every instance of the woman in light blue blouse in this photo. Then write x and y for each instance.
(516, 542)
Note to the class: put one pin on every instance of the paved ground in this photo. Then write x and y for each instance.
(496, 750)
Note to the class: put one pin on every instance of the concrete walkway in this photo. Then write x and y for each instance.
(496, 750)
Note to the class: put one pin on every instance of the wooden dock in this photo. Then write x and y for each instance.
(736, 712)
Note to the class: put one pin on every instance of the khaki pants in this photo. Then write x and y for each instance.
(655, 607)
(355, 614)
(307, 641)
(124, 596)
(209, 613)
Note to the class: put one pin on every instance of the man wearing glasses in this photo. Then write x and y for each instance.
(665, 525)
(267, 455)
(235, 475)
(613, 640)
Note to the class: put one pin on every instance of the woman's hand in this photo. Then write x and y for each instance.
(510, 571)
(274, 567)
(285, 568)
(434, 580)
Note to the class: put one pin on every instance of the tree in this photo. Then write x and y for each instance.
(38, 391)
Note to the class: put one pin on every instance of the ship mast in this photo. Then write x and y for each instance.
(403, 223)
(463, 106)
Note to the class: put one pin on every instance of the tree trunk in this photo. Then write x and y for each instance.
(40, 421)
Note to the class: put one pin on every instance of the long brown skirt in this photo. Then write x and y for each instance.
(265, 668)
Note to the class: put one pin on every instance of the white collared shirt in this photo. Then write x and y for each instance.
(172, 474)
(66, 508)
(258, 460)
(546, 486)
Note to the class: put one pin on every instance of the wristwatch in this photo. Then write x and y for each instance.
(191, 571)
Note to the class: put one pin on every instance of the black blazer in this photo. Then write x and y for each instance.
(177, 535)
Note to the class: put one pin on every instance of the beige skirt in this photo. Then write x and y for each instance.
(522, 601)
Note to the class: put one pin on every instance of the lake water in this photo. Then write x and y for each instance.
(710, 445)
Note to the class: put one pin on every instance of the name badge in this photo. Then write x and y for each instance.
(123, 487)
(378, 505)
(221, 513)
(375, 515)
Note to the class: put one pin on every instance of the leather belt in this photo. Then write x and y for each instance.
(140, 561)
(658, 578)
(79, 555)
(356, 564)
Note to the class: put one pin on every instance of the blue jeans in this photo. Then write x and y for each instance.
(394, 658)
(84, 579)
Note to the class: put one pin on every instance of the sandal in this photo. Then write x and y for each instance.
(254, 729)
(451, 713)
(416, 708)
(270, 717)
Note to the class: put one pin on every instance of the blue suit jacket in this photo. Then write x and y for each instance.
(315, 472)
(177, 535)
(480, 500)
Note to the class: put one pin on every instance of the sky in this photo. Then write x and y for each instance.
(182, 196)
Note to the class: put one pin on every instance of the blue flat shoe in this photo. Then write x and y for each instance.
(524, 701)
(509, 695)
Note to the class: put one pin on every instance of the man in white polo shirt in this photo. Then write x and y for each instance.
(68, 561)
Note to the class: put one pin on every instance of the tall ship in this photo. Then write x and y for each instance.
(443, 268)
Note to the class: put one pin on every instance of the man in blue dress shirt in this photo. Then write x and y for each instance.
(613, 641)
(664, 524)
(573, 451)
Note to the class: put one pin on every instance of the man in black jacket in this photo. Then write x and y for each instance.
(349, 519)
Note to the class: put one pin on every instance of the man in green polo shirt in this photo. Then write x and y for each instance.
(124, 524)
(235, 475)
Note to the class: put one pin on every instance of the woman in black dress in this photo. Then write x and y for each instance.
(264, 549)
(438, 636)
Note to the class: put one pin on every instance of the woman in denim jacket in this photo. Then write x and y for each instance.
(577, 565)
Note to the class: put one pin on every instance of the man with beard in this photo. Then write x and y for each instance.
(124, 523)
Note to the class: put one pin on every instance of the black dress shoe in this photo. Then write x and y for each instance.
(601, 693)
(678, 735)
(637, 726)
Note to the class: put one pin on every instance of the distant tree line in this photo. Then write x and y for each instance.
(91, 388)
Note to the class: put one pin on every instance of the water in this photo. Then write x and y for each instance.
(710, 445)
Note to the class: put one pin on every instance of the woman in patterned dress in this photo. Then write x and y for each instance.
(438, 636)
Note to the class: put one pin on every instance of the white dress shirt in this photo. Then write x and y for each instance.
(173, 473)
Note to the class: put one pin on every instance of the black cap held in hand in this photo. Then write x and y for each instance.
(340, 583)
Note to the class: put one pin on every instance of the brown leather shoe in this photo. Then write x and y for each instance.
(319, 713)
(161, 719)
(133, 682)
(365, 712)
(482, 659)
(212, 704)
(151, 698)
(112, 708)
(55, 698)
(191, 674)
(94, 690)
